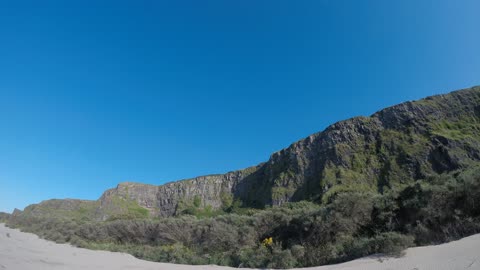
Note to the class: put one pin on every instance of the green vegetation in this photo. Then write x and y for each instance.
(409, 175)
(462, 129)
(126, 209)
(195, 208)
(4, 217)
(77, 210)
(349, 224)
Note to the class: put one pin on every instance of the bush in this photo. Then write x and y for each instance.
(391, 243)
(281, 258)
(298, 252)
(248, 257)
(319, 255)
(78, 242)
(350, 224)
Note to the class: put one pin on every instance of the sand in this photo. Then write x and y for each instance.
(25, 251)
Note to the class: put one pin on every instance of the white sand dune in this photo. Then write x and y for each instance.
(25, 251)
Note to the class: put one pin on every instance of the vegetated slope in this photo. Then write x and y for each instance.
(395, 146)
(409, 174)
(25, 251)
(4, 216)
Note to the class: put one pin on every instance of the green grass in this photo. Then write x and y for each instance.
(122, 208)
(458, 130)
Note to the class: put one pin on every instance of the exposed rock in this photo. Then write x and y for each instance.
(397, 145)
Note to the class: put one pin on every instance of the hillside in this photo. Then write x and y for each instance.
(4, 216)
(407, 175)
(25, 251)
(395, 146)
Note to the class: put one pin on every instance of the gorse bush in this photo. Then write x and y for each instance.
(350, 224)
(267, 242)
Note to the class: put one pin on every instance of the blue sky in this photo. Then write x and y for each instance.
(93, 93)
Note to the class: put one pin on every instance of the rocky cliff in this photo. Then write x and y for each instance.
(164, 200)
(394, 146)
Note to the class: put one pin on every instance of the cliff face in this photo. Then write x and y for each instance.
(394, 146)
(164, 200)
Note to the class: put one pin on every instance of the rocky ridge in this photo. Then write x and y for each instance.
(395, 146)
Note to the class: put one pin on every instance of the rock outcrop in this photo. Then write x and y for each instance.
(163, 200)
(394, 146)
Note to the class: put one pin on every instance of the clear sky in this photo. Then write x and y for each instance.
(93, 93)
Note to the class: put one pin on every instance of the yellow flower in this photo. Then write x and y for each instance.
(267, 242)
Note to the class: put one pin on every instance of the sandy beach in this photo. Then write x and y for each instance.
(25, 251)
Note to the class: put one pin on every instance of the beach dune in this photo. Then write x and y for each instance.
(25, 251)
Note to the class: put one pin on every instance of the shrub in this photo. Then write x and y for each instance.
(298, 252)
(78, 242)
(197, 201)
(257, 257)
(281, 258)
(350, 224)
(392, 243)
(350, 211)
(319, 255)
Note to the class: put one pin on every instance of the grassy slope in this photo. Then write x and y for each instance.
(382, 185)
